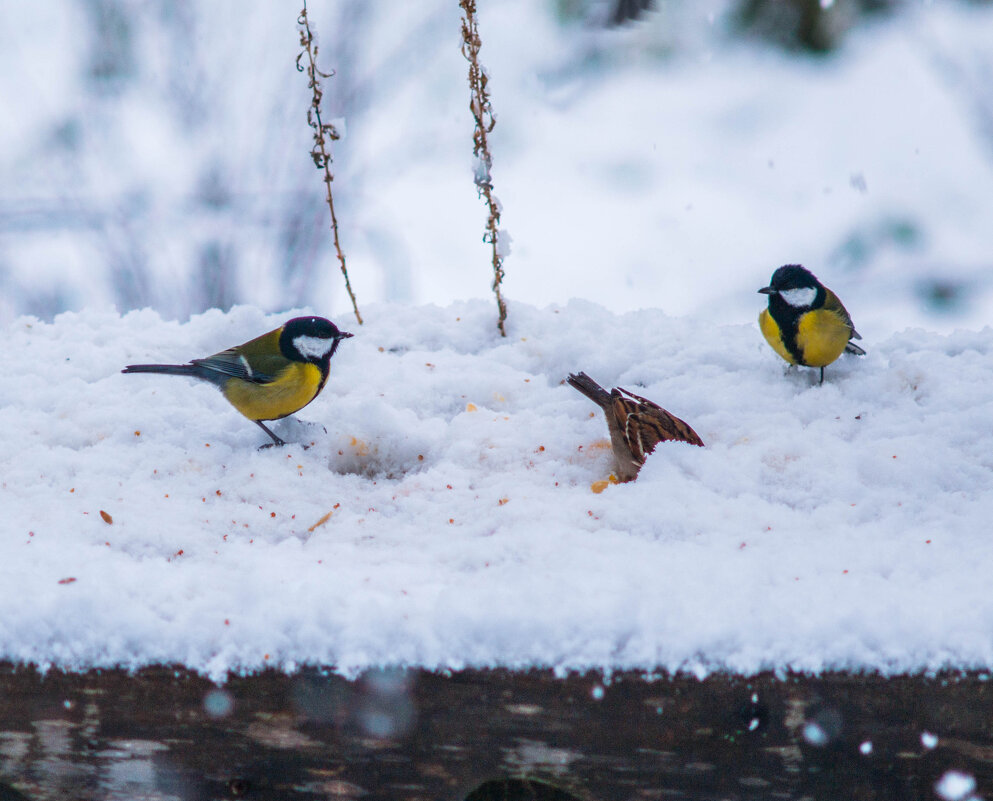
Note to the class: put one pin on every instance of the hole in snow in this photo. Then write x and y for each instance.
(389, 458)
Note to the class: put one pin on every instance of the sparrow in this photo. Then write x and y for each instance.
(636, 424)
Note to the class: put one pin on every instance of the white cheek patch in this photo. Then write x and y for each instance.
(314, 347)
(799, 298)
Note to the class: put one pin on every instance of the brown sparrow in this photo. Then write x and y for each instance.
(636, 424)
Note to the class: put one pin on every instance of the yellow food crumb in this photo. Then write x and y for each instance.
(324, 519)
(599, 486)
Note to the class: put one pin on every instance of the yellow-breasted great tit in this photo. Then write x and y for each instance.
(805, 322)
(636, 424)
(271, 376)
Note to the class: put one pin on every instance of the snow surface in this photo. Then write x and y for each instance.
(446, 516)
(835, 526)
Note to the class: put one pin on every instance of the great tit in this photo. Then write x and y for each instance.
(805, 322)
(271, 376)
(636, 424)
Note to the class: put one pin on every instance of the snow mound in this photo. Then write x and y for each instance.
(444, 517)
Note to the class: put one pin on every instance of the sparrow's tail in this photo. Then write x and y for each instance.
(590, 388)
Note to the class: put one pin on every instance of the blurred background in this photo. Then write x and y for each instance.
(667, 154)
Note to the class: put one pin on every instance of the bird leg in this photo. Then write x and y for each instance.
(275, 440)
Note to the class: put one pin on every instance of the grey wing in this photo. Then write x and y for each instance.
(848, 319)
(851, 347)
(232, 364)
(838, 308)
(833, 303)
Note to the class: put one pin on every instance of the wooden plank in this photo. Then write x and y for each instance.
(165, 734)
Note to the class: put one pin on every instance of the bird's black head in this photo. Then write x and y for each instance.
(310, 339)
(795, 286)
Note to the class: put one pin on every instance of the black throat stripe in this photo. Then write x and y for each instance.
(788, 320)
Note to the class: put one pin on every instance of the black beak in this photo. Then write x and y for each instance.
(768, 290)
(344, 335)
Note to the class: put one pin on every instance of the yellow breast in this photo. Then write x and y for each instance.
(822, 336)
(294, 388)
(771, 332)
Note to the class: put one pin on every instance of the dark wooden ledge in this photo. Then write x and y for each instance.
(167, 734)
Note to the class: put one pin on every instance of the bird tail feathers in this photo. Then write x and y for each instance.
(165, 369)
(590, 388)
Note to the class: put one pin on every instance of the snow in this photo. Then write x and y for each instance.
(446, 517)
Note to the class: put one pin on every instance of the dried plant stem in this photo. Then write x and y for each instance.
(482, 113)
(322, 132)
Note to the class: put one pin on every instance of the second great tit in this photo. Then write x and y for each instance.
(636, 424)
(271, 376)
(805, 322)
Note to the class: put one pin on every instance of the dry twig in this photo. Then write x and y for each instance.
(482, 113)
(322, 132)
